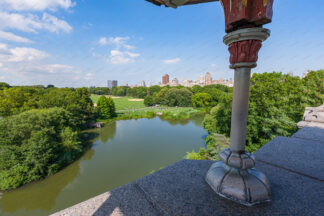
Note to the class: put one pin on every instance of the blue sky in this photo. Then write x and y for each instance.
(86, 42)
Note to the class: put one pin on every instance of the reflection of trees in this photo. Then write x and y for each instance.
(108, 132)
(198, 119)
(41, 195)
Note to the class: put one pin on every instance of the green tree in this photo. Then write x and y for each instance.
(178, 97)
(202, 100)
(35, 144)
(4, 85)
(160, 97)
(148, 100)
(277, 103)
(106, 107)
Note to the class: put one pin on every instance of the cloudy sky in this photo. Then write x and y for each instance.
(86, 42)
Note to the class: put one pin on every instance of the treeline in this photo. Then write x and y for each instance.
(277, 103)
(196, 96)
(40, 131)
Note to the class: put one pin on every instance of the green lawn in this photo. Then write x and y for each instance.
(122, 103)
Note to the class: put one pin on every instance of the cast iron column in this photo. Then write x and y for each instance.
(234, 176)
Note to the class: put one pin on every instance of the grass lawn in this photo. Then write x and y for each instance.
(122, 103)
(173, 110)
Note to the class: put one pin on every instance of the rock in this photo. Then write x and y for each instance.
(313, 117)
(96, 125)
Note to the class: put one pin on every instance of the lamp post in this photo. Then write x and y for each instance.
(234, 177)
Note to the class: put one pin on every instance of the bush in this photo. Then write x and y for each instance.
(150, 114)
(148, 101)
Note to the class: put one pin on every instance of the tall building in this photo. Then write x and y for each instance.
(165, 79)
(175, 82)
(112, 83)
(208, 79)
(143, 83)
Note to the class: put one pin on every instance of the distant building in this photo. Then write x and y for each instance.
(143, 83)
(175, 82)
(208, 79)
(305, 74)
(291, 74)
(201, 81)
(112, 83)
(165, 79)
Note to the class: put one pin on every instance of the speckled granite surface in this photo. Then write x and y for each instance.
(294, 167)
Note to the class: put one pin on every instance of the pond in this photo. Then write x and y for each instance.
(123, 152)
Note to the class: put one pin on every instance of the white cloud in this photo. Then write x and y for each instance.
(132, 55)
(129, 47)
(53, 24)
(32, 23)
(103, 41)
(26, 54)
(56, 68)
(20, 54)
(171, 61)
(35, 5)
(119, 42)
(119, 57)
(120, 54)
(25, 66)
(88, 76)
(2, 77)
(12, 37)
(213, 65)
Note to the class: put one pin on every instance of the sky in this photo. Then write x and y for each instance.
(73, 43)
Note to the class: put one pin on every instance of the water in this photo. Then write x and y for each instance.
(123, 152)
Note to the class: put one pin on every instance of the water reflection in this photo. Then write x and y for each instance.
(107, 132)
(123, 152)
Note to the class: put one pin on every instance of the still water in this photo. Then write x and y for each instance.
(123, 152)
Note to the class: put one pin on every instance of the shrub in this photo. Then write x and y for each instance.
(148, 101)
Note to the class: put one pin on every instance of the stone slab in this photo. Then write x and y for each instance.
(126, 200)
(302, 156)
(310, 133)
(181, 190)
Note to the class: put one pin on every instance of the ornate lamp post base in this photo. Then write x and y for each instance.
(238, 181)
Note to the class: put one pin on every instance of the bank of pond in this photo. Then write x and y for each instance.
(123, 151)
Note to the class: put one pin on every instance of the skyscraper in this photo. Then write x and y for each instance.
(112, 83)
(143, 83)
(165, 79)
(175, 82)
(208, 79)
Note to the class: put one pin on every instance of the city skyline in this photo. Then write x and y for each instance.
(201, 80)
